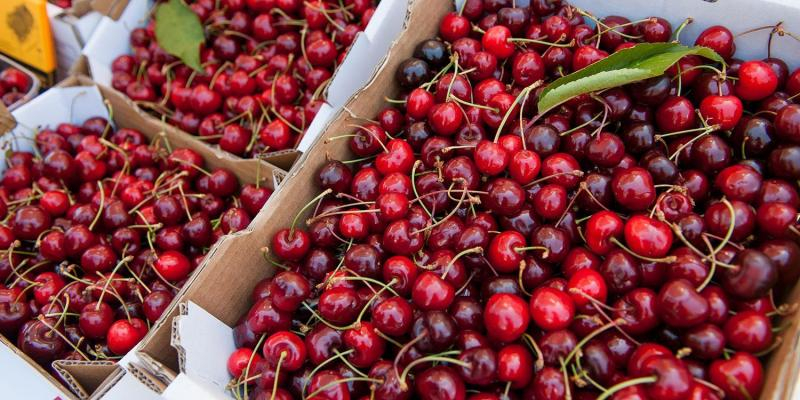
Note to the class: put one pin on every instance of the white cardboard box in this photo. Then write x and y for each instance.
(111, 40)
(70, 33)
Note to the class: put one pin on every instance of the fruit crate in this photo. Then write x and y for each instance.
(35, 83)
(367, 48)
(423, 22)
(77, 99)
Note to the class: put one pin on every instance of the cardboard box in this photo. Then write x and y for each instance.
(75, 100)
(112, 40)
(73, 27)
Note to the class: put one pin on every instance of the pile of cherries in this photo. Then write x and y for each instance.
(629, 244)
(266, 65)
(100, 229)
(14, 85)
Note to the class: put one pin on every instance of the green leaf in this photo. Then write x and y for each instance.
(179, 32)
(643, 61)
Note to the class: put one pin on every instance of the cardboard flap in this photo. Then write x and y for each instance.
(124, 386)
(24, 379)
(205, 343)
(110, 8)
(7, 121)
(83, 377)
(184, 387)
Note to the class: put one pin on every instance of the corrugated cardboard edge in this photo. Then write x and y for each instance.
(146, 378)
(7, 122)
(108, 383)
(83, 377)
(110, 8)
(175, 337)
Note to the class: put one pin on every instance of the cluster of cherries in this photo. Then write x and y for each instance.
(100, 229)
(14, 85)
(266, 65)
(629, 244)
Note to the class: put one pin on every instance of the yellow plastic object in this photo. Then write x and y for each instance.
(25, 34)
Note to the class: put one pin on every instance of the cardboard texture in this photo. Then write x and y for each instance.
(227, 296)
(75, 100)
(112, 40)
(71, 29)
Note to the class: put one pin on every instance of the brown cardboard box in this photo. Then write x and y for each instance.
(226, 293)
(83, 378)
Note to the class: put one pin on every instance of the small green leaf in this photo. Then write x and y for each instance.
(179, 32)
(643, 61)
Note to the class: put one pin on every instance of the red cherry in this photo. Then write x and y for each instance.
(172, 265)
(551, 309)
(506, 317)
(496, 41)
(756, 81)
(725, 111)
(648, 237)
(124, 335)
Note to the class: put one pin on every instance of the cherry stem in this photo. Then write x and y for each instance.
(542, 42)
(668, 259)
(535, 347)
(441, 357)
(414, 186)
(567, 132)
(405, 349)
(473, 250)
(109, 278)
(545, 250)
(64, 338)
(591, 336)
(277, 374)
(677, 35)
(344, 380)
(305, 207)
(349, 365)
(626, 384)
(479, 106)
(337, 355)
(450, 214)
(522, 94)
(99, 209)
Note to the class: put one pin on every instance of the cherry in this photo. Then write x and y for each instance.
(506, 317)
(124, 335)
(551, 309)
(600, 229)
(240, 361)
(453, 27)
(648, 237)
(430, 292)
(440, 382)
(724, 111)
(739, 377)
(679, 305)
(719, 39)
(95, 320)
(633, 188)
(675, 114)
(753, 276)
(756, 81)
(29, 222)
